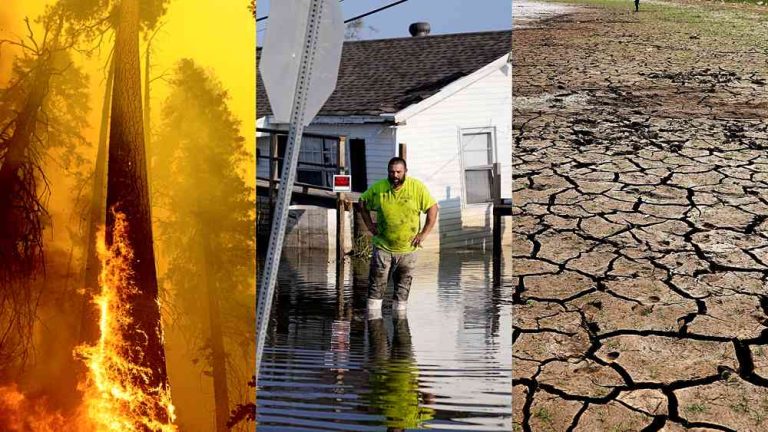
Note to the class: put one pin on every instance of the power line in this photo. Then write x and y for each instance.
(374, 11)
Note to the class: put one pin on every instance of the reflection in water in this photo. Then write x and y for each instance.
(444, 366)
(394, 376)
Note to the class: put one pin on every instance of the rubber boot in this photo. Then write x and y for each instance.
(399, 306)
(374, 308)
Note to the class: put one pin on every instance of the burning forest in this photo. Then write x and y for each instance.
(122, 306)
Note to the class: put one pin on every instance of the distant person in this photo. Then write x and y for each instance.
(637, 5)
(398, 202)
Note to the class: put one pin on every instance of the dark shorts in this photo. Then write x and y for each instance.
(400, 266)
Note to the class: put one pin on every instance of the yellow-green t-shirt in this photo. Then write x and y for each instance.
(397, 212)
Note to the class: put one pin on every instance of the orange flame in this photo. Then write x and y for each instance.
(114, 399)
(21, 414)
(116, 396)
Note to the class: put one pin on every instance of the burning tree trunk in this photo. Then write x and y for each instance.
(127, 194)
(89, 330)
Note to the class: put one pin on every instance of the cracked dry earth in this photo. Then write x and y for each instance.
(640, 244)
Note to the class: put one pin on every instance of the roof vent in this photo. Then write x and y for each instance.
(419, 29)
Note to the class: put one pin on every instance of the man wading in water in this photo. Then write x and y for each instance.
(398, 202)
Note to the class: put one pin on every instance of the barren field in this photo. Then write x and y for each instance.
(640, 245)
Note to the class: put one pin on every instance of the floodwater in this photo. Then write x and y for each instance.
(444, 365)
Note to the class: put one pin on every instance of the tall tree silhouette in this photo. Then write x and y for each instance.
(42, 110)
(128, 194)
(127, 188)
(206, 219)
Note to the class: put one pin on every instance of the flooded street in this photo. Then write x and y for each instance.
(445, 365)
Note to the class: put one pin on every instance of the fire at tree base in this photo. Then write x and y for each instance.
(115, 396)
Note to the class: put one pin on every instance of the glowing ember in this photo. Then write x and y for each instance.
(117, 396)
(20, 414)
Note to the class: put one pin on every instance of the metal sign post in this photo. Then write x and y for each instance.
(310, 59)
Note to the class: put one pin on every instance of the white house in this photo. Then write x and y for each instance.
(445, 100)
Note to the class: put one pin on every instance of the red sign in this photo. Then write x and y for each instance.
(342, 183)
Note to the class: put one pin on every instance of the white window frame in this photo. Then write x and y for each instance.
(491, 131)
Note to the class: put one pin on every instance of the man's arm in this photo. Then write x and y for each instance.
(367, 218)
(431, 219)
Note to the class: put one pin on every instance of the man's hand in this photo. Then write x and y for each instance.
(431, 219)
(418, 239)
(372, 228)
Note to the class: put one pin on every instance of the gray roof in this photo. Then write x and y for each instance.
(387, 75)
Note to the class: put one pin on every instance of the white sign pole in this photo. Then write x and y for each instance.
(287, 178)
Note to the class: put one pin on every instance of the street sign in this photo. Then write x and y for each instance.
(314, 32)
(342, 183)
(280, 64)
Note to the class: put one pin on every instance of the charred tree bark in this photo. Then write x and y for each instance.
(146, 98)
(89, 329)
(146, 119)
(127, 193)
(21, 246)
(20, 242)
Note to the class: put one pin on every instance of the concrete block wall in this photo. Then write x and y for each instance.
(308, 227)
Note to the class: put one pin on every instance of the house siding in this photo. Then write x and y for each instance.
(379, 146)
(432, 136)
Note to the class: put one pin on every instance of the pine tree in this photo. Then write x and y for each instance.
(206, 216)
(42, 113)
